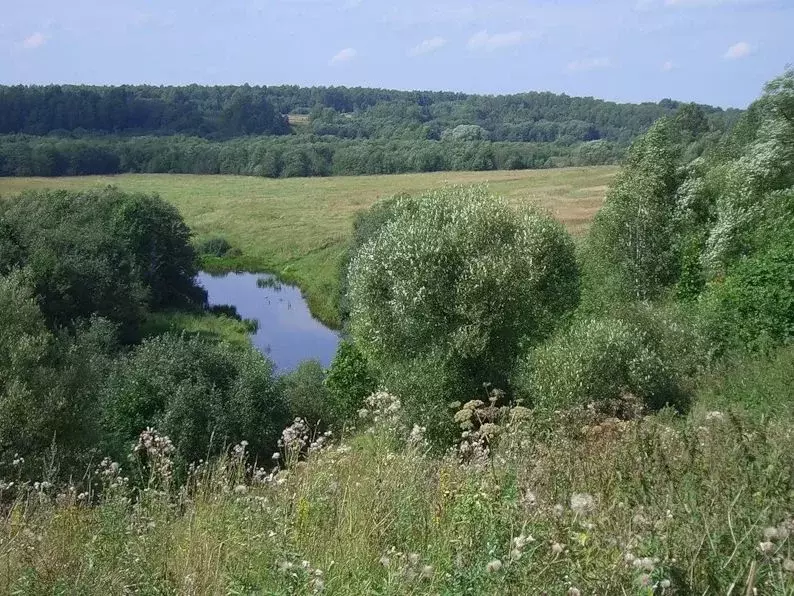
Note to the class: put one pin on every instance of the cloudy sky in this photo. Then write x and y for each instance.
(711, 51)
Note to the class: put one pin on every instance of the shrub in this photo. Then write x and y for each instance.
(203, 395)
(100, 252)
(609, 361)
(216, 246)
(306, 394)
(348, 382)
(48, 383)
(752, 308)
(464, 279)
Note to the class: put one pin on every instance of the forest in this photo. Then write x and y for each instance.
(293, 131)
(511, 410)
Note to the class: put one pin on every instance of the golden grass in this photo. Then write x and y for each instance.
(298, 227)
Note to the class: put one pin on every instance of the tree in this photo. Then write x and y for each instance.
(464, 280)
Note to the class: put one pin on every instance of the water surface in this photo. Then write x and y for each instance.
(287, 333)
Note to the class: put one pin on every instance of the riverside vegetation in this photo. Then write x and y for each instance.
(512, 412)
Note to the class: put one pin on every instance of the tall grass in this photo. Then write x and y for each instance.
(571, 504)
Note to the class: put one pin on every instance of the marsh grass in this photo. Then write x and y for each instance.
(655, 505)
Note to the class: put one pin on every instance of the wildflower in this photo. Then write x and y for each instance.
(285, 566)
(645, 580)
(490, 430)
(417, 435)
(582, 503)
(559, 510)
(557, 548)
(646, 563)
(664, 584)
(521, 541)
(494, 566)
(574, 591)
(385, 561)
(427, 572)
(240, 489)
(516, 554)
(317, 585)
(770, 534)
(530, 500)
(276, 456)
(414, 558)
(788, 565)
(718, 416)
(767, 547)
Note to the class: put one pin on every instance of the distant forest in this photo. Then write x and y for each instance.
(296, 131)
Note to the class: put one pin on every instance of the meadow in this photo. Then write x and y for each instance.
(298, 228)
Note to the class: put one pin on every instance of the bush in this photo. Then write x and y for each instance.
(100, 252)
(612, 362)
(216, 246)
(48, 384)
(752, 308)
(306, 394)
(464, 279)
(203, 395)
(348, 382)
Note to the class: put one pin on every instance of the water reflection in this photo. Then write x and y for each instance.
(287, 331)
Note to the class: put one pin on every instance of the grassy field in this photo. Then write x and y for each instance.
(298, 227)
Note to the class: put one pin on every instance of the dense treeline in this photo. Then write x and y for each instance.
(273, 157)
(71, 130)
(338, 111)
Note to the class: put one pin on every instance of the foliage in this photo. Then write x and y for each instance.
(48, 383)
(562, 505)
(100, 252)
(633, 235)
(203, 395)
(307, 252)
(348, 381)
(610, 362)
(216, 246)
(752, 307)
(463, 277)
(307, 396)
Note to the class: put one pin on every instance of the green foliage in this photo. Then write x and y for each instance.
(640, 355)
(48, 383)
(633, 236)
(100, 252)
(203, 395)
(307, 396)
(462, 277)
(752, 308)
(348, 381)
(216, 246)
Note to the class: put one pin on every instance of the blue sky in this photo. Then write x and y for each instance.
(711, 51)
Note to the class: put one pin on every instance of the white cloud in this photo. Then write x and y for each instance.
(34, 41)
(345, 55)
(589, 64)
(427, 46)
(738, 50)
(484, 41)
(668, 66)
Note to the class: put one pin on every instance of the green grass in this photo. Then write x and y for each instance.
(298, 228)
(208, 326)
(666, 506)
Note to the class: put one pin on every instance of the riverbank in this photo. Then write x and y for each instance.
(298, 228)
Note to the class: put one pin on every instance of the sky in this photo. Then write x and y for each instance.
(718, 52)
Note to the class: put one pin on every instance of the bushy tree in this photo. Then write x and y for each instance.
(614, 362)
(99, 252)
(49, 384)
(463, 279)
(203, 395)
(348, 382)
(306, 394)
(633, 238)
